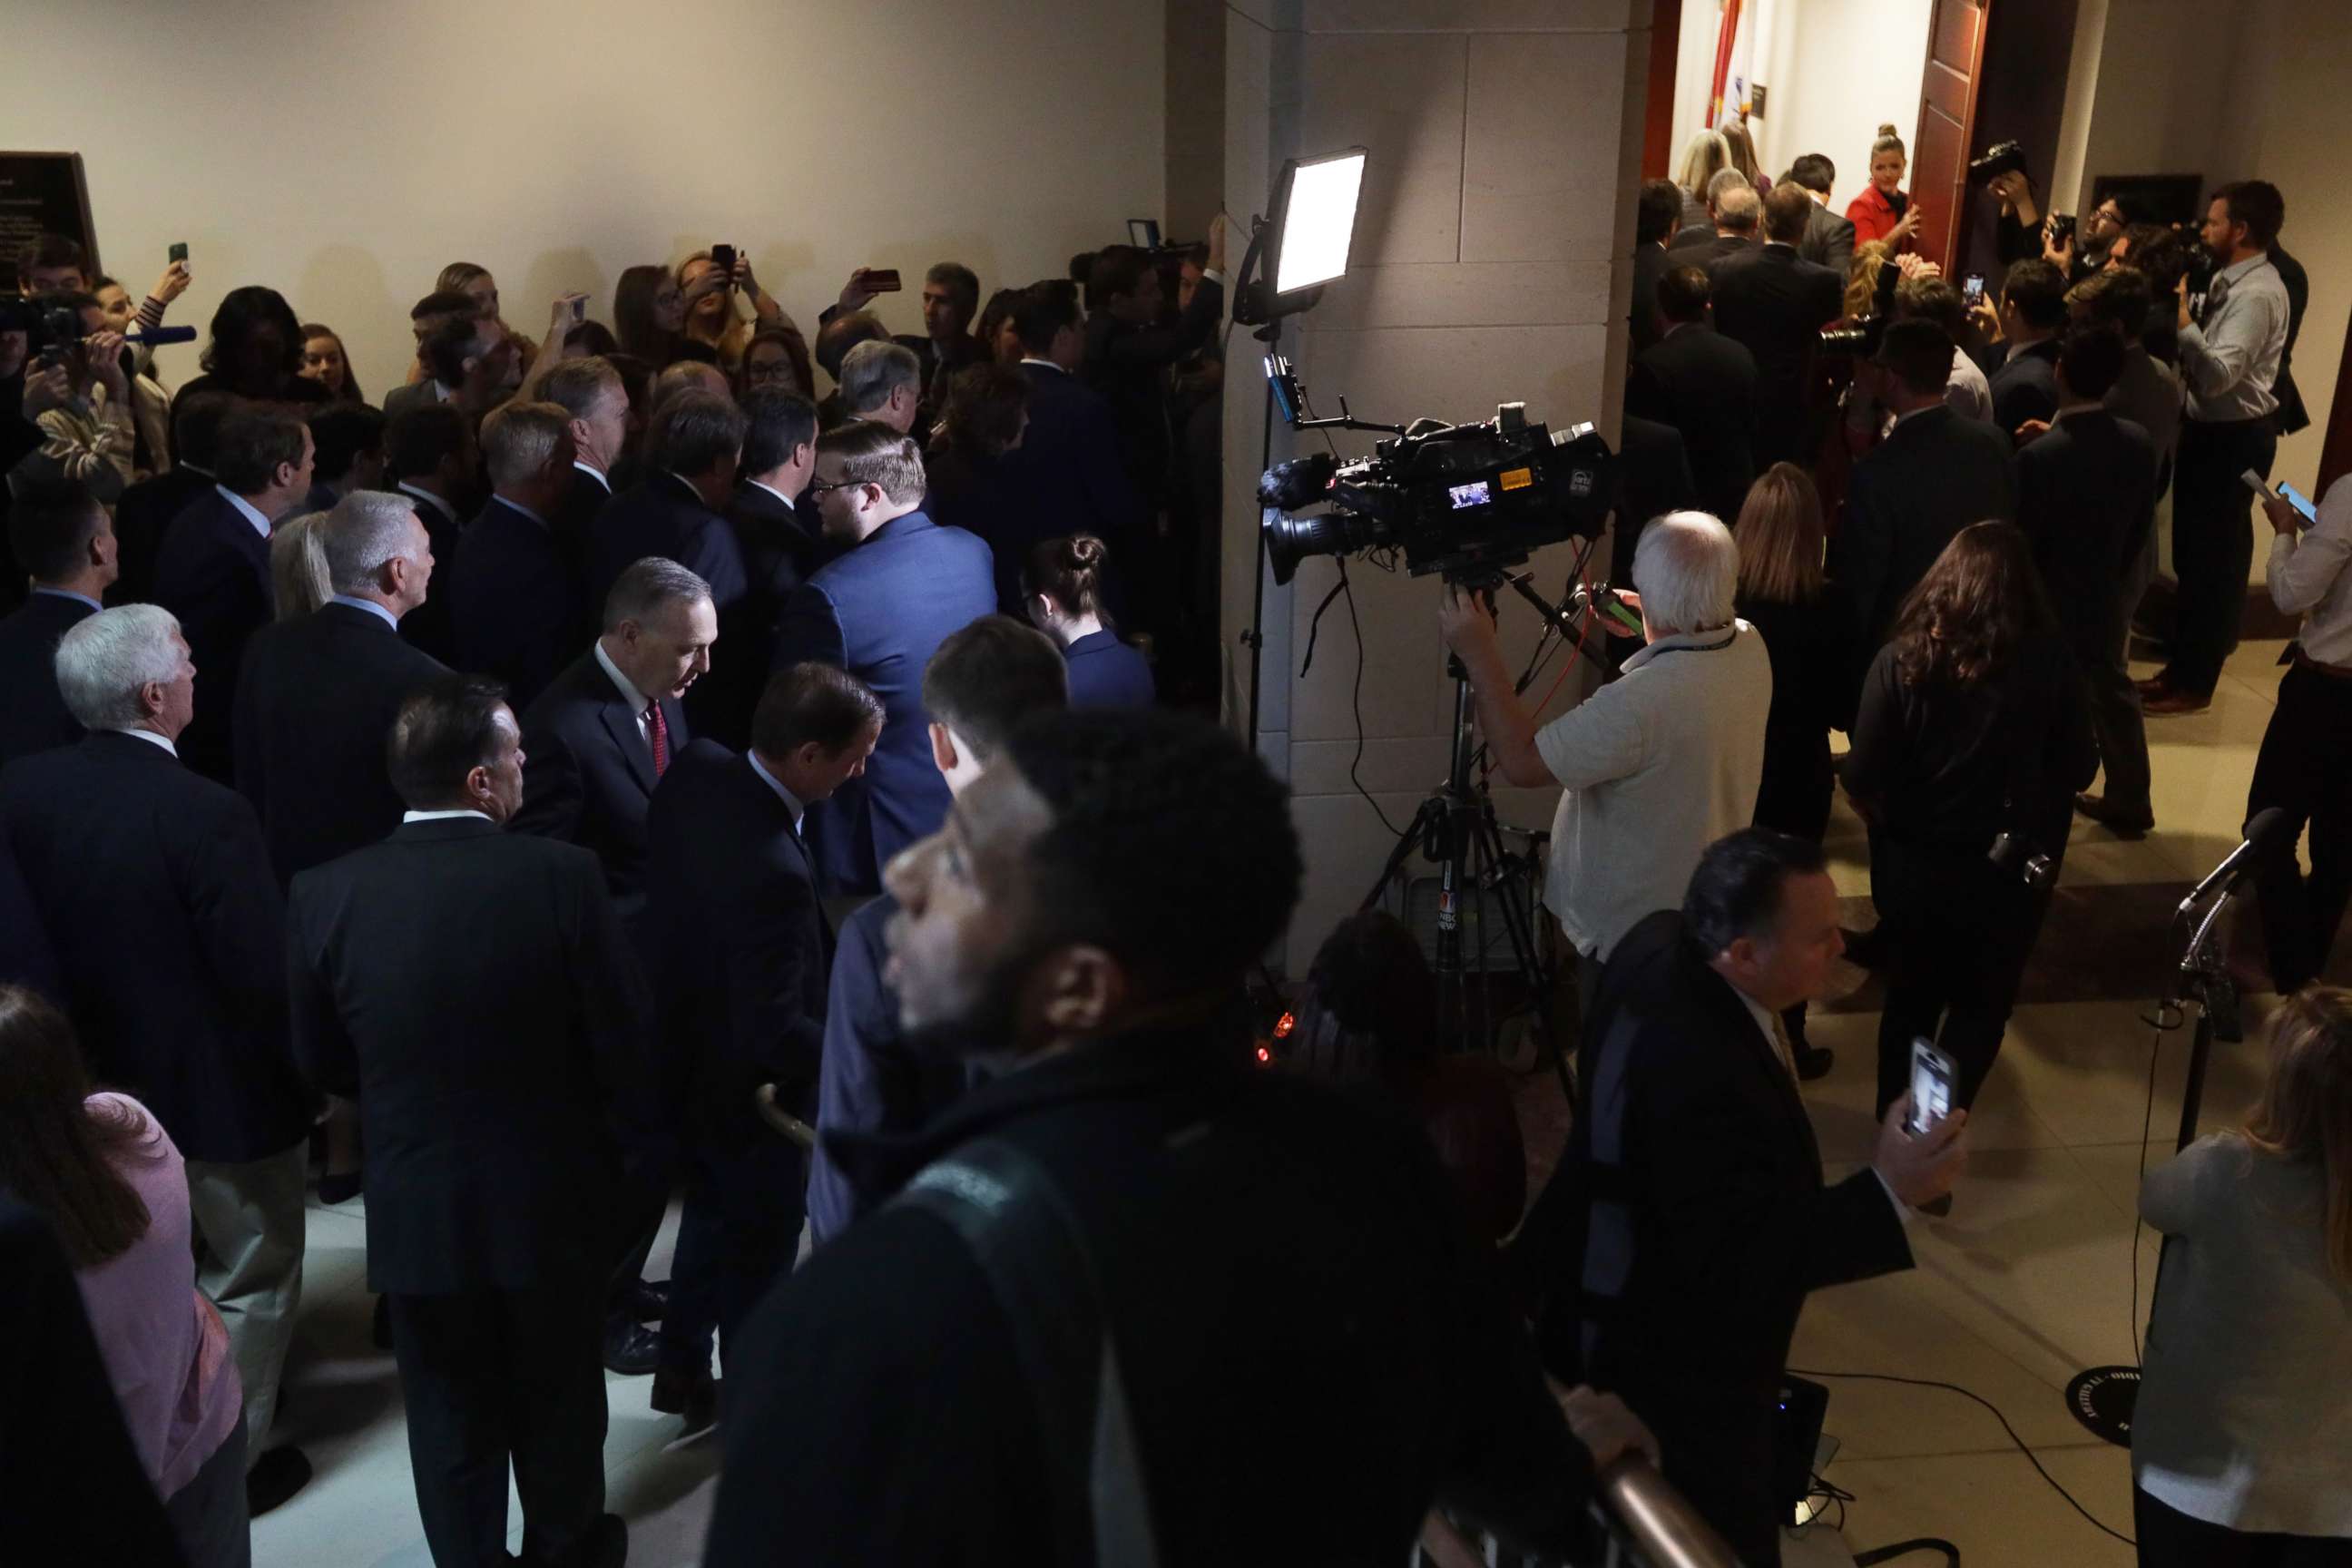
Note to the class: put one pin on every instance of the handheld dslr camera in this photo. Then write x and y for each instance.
(51, 330)
(1466, 500)
(2000, 158)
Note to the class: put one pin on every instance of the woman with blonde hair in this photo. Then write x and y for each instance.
(715, 330)
(2242, 1441)
(1784, 594)
(297, 566)
(1706, 155)
(1883, 211)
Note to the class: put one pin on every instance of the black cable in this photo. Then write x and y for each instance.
(1904, 1547)
(1989, 1405)
(1356, 703)
(2146, 1123)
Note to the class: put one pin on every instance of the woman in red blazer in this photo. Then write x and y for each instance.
(1883, 211)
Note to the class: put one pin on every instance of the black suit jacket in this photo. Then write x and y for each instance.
(2292, 415)
(2086, 497)
(742, 947)
(586, 777)
(470, 987)
(663, 515)
(33, 717)
(2025, 387)
(1689, 1219)
(431, 628)
(1704, 384)
(1129, 365)
(1065, 478)
(1935, 474)
(1653, 479)
(1650, 262)
(1829, 240)
(155, 886)
(214, 574)
(779, 552)
(515, 601)
(314, 707)
(142, 519)
(1775, 303)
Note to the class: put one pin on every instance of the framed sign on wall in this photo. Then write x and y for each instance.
(43, 193)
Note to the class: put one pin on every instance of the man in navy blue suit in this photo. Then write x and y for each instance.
(678, 509)
(743, 949)
(979, 686)
(60, 536)
(1067, 475)
(214, 571)
(902, 586)
(515, 598)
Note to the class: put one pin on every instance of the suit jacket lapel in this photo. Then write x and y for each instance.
(1767, 1059)
(622, 726)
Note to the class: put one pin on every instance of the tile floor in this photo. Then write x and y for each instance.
(2029, 1281)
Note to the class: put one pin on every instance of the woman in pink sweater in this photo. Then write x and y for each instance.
(106, 1175)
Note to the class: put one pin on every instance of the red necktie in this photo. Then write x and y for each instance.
(658, 732)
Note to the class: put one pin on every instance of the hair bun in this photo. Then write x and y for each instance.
(1887, 129)
(1086, 551)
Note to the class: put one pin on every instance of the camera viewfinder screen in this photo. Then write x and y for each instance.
(1469, 495)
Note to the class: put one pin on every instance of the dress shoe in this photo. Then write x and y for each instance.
(2122, 824)
(604, 1544)
(278, 1475)
(649, 1300)
(631, 1349)
(2154, 686)
(692, 1395)
(340, 1189)
(2172, 703)
(1813, 1062)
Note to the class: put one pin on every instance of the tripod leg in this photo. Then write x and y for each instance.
(1518, 921)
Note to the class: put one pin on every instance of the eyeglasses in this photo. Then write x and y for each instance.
(820, 487)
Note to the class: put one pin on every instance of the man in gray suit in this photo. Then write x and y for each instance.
(1829, 237)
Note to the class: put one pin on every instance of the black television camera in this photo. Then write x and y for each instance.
(51, 330)
(1463, 499)
(2000, 158)
(1860, 339)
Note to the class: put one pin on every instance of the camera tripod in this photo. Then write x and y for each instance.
(1457, 827)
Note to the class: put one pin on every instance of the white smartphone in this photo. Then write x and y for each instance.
(1931, 1087)
(2297, 499)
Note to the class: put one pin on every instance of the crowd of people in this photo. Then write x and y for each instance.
(609, 770)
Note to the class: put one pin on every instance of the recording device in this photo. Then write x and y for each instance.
(2269, 832)
(723, 257)
(2016, 855)
(579, 310)
(1603, 602)
(2297, 499)
(2000, 158)
(1972, 290)
(1462, 499)
(1143, 233)
(882, 280)
(1861, 339)
(2062, 227)
(51, 332)
(1932, 1077)
(179, 251)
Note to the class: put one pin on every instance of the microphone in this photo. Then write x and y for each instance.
(2270, 831)
(157, 337)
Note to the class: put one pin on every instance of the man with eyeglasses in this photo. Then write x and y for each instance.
(2080, 255)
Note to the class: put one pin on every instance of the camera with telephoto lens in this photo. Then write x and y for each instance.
(2019, 857)
(2000, 158)
(1860, 338)
(1463, 499)
(51, 330)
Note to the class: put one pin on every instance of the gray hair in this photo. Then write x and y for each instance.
(639, 592)
(1686, 570)
(103, 662)
(366, 530)
(1737, 206)
(872, 370)
(1703, 154)
(1726, 180)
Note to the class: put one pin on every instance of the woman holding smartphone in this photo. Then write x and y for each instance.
(2242, 1442)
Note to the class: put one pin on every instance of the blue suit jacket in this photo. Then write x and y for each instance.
(214, 574)
(515, 603)
(1066, 476)
(664, 516)
(1107, 673)
(880, 612)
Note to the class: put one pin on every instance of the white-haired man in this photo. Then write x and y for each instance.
(1657, 765)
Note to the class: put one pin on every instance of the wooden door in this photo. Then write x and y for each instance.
(1948, 111)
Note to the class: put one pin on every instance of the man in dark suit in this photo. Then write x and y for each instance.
(515, 595)
(1689, 1219)
(1654, 479)
(146, 510)
(2086, 498)
(451, 953)
(213, 573)
(951, 300)
(978, 688)
(744, 949)
(1704, 384)
(1733, 206)
(318, 694)
(431, 457)
(1655, 221)
(678, 509)
(2024, 380)
(1129, 354)
(780, 548)
(883, 382)
(154, 884)
(1935, 474)
(592, 392)
(879, 610)
(1829, 236)
(1066, 476)
(1775, 303)
(2292, 414)
(60, 536)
